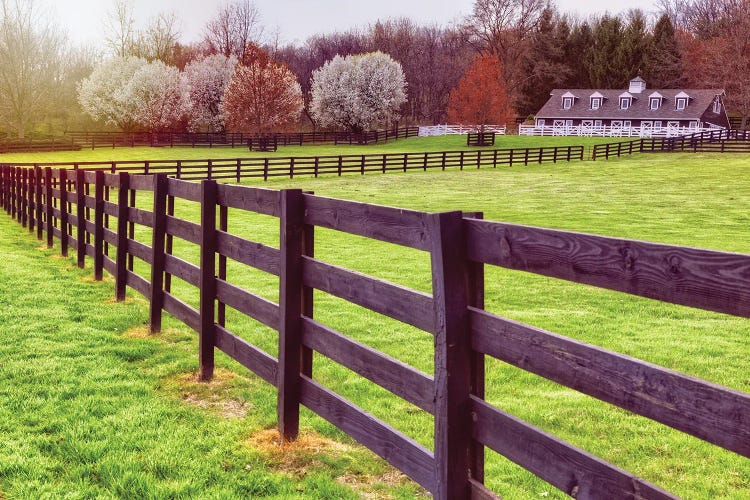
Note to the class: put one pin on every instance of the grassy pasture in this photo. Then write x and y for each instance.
(696, 200)
(416, 144)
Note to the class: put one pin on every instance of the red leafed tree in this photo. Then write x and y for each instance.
(481, 97)
(262, 96)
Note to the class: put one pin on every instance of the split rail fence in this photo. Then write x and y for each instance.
(93, 214)
(714, 141)
(265, 168)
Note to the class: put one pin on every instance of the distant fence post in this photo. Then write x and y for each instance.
(207, 332)
(157, 252)
(99, 225)
(290, 311)
(121, 257)
(453, 356)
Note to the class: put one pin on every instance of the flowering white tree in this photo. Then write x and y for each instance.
(207, 80)
(262, 96)
(358, 92)
(158, 96)
(102, 96)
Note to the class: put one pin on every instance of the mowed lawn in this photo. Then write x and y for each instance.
(696, 200)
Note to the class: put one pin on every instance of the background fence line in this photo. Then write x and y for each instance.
(95, 140)
(714, 141)
(59, 202)
(265, 168)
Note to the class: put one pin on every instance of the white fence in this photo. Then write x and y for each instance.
(607, 131)
(458, 129)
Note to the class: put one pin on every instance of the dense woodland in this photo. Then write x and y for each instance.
(686, 43)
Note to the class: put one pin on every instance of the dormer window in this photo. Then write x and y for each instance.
(567, 102)
(654, 103)
(681, 101)
(624, 102)
(596, 102)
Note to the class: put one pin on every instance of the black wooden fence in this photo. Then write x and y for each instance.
(200, 139)
(265, 168)
(715, 141)
(94, 213)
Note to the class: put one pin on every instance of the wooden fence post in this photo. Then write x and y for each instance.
(157, 252)
(453, 356)
(207, 332)
(38, 202)
(23, 185)
(121, 257)
(48, 206)
(476, 299)
(99, 225)
(81, 215)
(290, 312)
(63, 212)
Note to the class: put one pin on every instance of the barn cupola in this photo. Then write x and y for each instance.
(637, 85)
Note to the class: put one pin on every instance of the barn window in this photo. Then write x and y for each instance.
(624, 102)
(681, 103)
(567, 102)
(596, 102)
(654, 103)
(717, 106)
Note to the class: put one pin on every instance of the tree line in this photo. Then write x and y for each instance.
(532, 45)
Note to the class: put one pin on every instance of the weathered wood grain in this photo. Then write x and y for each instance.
(291, 245)
(702, 409)
(717, 281)
(184, 190)
(138, 283)
(190, 273)
(393, 225)
(453, 356)
(185, 230)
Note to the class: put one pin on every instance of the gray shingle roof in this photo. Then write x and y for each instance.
(700, 101)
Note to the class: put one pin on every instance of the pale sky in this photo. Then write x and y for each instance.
(294, 20)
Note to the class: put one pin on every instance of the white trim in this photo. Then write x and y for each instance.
(567, 102)
(652, 101)
(625, 102)
(683, 101)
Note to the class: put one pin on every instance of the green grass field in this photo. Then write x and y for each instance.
(116, 408)
(424, 144)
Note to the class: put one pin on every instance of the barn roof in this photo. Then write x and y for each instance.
(699, 101)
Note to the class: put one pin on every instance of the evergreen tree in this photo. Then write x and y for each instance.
(579, 42)
(602, 59)
(545, 67)
(664, 66)
(634, 48)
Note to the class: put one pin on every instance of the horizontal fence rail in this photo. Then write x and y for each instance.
(95, 140)
(270, 167)
(93, 215)
(713, 141)
(433, 130)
